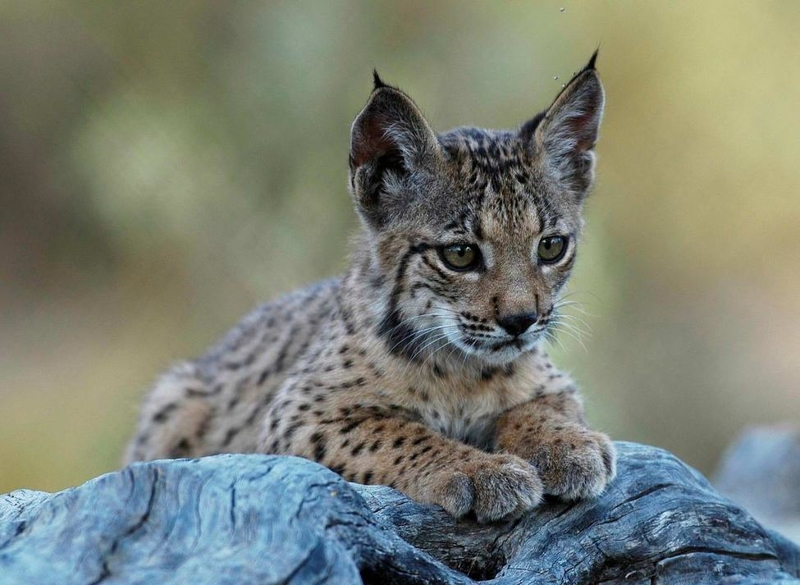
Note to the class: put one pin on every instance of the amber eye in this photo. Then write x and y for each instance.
(461, 257)
(552, 249)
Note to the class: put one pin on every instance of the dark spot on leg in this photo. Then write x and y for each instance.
(181, 449)
(351, 425)
(319, 452)
(162, 415)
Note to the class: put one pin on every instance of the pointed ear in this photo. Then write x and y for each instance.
(389, 139)
(564, 136)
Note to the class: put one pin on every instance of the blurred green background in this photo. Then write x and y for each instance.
(166, 166)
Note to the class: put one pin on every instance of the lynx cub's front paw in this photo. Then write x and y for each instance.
(574, 462)
(495, 488)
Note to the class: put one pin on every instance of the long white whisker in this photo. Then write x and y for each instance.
(430, 342)
(455, 347)
(423, 348)
(406, 321)
(573, 331)
(418, 333)
(551, 337)
(561, 303)
(576, 322)
(573, 306)
(572, 324)
(449, 342)
(575, 337)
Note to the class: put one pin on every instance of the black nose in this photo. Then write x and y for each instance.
(517, 324)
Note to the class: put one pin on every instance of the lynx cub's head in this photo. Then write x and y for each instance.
(470, 235)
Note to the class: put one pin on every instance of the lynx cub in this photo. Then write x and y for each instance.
(422, 367)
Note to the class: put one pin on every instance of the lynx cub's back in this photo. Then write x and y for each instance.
(422, 367)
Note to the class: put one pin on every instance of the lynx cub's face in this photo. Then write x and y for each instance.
(472, 233)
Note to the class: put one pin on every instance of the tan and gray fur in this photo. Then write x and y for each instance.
(404, 371)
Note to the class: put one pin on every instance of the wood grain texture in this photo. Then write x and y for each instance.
(269, 519)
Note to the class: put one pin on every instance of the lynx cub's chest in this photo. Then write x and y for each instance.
(468, 411)
(470, 422)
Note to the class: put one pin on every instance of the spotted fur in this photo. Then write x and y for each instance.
(405, 371)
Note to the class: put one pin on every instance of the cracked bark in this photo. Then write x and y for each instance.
(265, 519)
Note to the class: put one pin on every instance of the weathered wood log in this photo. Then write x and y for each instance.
(266, 519)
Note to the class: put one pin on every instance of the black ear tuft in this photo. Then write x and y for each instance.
(565, 137)
(377, 82)
(590, 65)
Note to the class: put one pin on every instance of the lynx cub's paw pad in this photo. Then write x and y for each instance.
(499, 487)
(575, 462)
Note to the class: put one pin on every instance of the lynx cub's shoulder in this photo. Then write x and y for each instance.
(421, 367)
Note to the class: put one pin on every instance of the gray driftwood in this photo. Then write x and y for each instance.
(264, 519)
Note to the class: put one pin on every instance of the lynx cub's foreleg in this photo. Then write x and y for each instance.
(549, 431)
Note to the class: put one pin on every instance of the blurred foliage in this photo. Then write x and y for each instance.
(168, 165)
